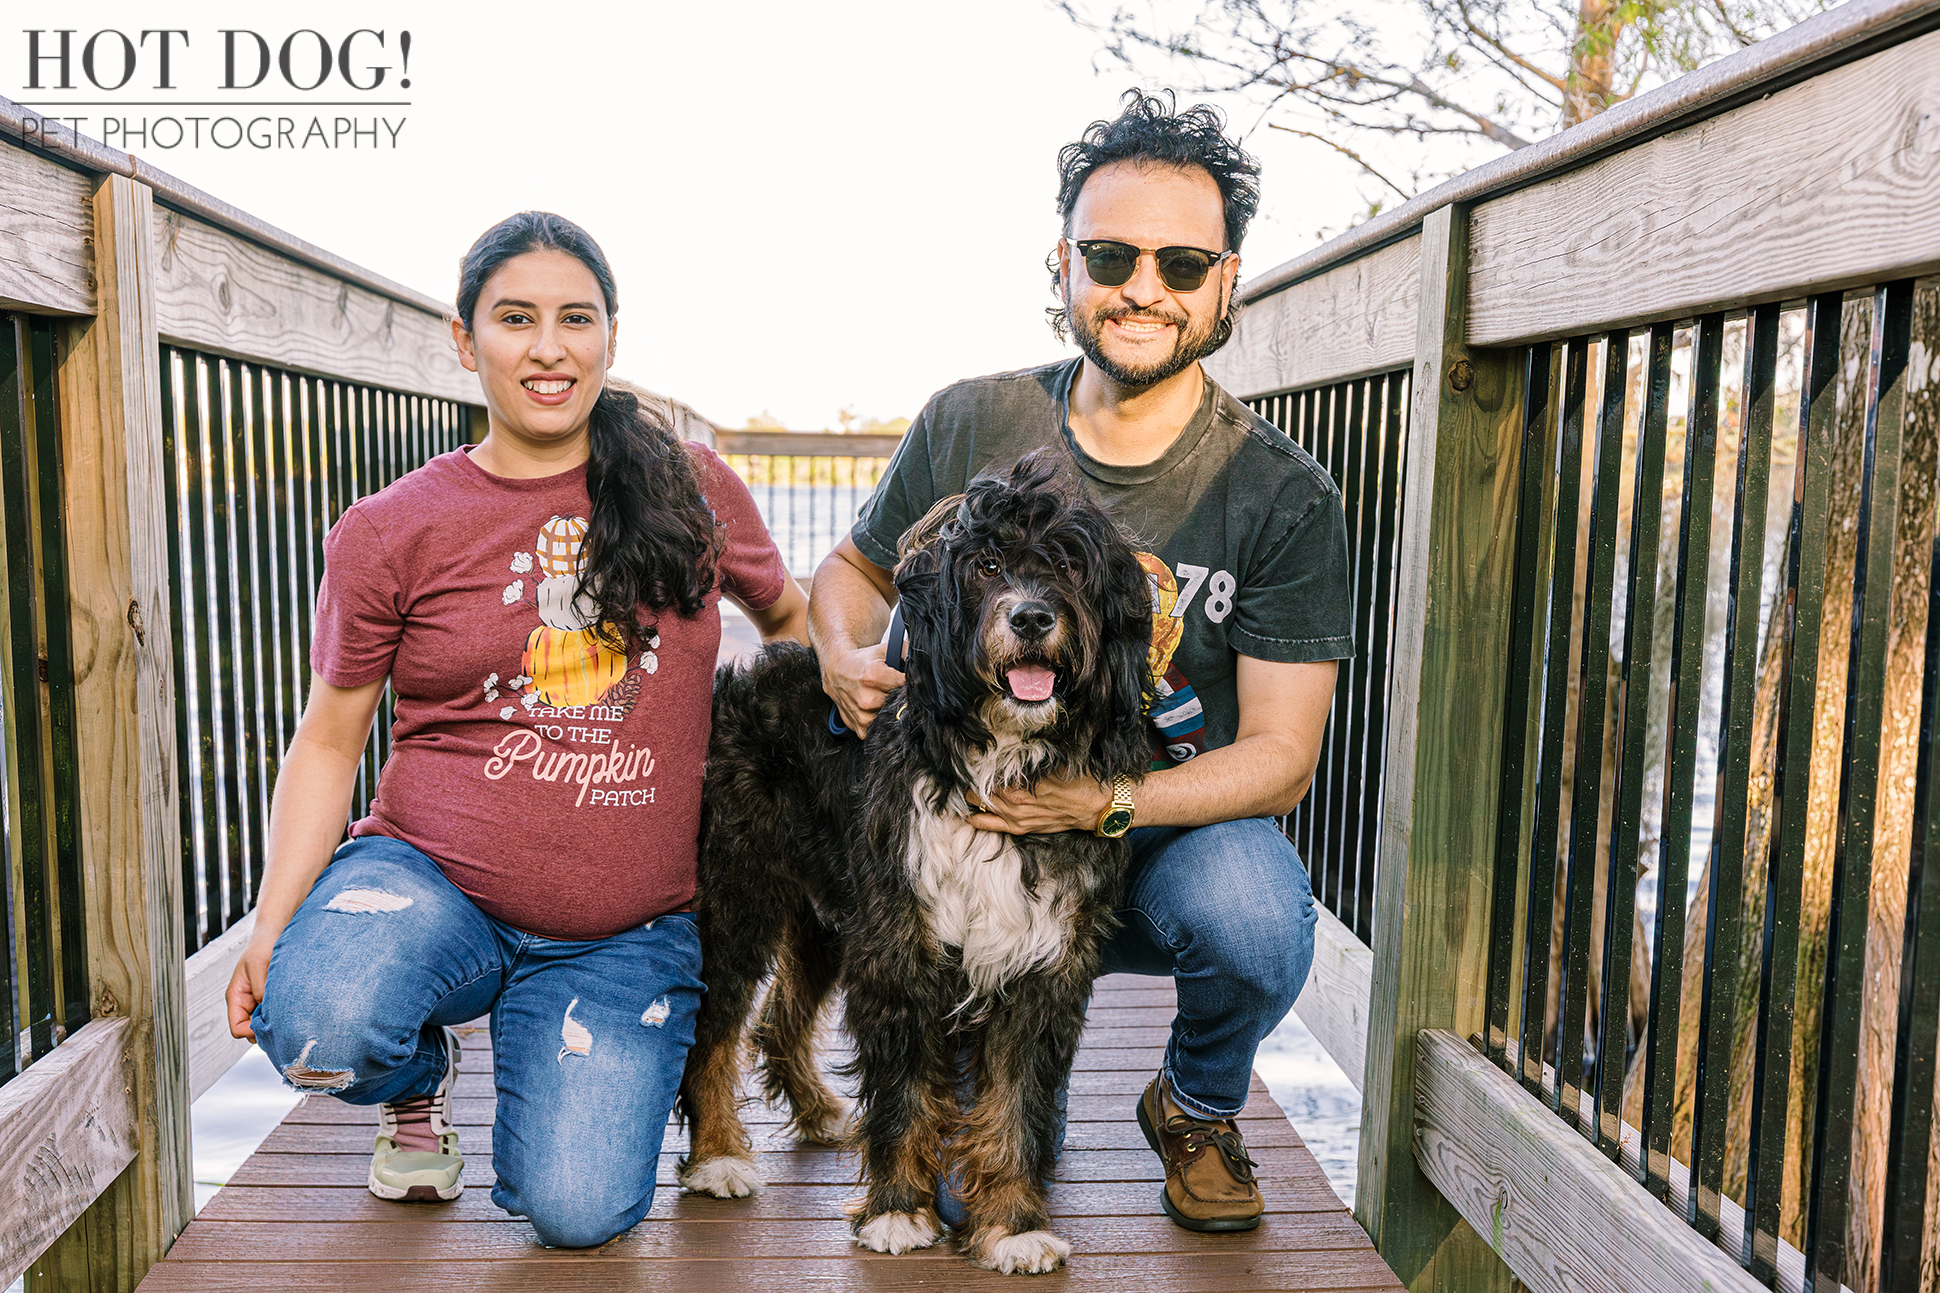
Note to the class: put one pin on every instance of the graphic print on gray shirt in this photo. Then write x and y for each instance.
(1245, 538)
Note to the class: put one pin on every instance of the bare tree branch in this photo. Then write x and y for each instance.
(1347, 152)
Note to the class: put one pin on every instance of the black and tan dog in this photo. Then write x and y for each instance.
(835, 861)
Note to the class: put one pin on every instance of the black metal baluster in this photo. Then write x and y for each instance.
(1852, 858)
(1592, 713)
(58, 675)
(1380, 645)
(1680, 753)
(1909, 1140)
(1541, 914)
(1725, 898)
(28, 794)
(226, 639)
(1360, 701)
(10, 987)
(176, 453)
(1800, 617)
(1347, 714)
(1633, 709)
(205, 701)
(1512, 772)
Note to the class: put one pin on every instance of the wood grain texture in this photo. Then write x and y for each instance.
(215, 290)
(115, 483)
(1559, 1213)
(205, 1010)
(67, 1129)
(1334, 1003)
(1355, 319)
(296, 1215)
(1432, 891)
(46, 262)
(938, 1268)
(1829, 184)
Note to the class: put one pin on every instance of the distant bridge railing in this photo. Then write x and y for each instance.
(1628, 794)
(808, 485)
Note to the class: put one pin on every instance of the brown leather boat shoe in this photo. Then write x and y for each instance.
(1208, 1177)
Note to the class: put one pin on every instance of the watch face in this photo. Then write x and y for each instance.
(1116, 822)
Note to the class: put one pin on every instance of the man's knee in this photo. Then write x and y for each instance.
(1250, 909)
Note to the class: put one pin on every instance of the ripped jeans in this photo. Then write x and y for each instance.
(588, 1038)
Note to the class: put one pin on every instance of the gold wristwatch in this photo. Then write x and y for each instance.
(1117, 817)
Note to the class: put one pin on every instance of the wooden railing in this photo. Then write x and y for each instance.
(1665, 608)
(1790, 173)
(188, 398)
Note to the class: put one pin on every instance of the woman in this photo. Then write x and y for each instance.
(544, 605)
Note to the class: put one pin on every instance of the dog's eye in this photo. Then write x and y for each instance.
(990, 566)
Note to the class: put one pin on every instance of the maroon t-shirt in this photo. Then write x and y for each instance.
(556, 780)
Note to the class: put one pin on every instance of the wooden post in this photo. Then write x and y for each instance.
(114, 480)
(1431, 907)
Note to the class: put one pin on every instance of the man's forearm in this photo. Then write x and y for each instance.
(845, 609)
(1256, 776)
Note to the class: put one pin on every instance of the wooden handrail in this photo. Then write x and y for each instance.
(811, 444)
(1815, 46)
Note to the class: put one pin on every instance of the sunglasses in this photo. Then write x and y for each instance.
(1112, 264)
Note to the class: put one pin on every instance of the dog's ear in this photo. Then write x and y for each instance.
(1125, 644)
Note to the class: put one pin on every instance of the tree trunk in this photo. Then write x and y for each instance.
(1599, 24)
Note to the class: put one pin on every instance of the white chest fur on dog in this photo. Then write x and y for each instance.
(971, 884)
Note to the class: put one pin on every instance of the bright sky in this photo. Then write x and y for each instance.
(808, 207)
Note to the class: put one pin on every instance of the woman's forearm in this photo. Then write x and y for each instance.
(306, 822)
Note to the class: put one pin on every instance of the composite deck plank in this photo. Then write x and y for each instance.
(296, 1215)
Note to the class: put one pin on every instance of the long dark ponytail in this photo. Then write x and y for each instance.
(652, 540)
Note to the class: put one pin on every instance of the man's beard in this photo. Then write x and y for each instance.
(1087, 330)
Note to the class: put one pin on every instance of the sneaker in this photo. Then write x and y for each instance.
(417, 1156)
(1208, 1177)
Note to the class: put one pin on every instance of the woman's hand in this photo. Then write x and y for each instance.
(246, 985)
(1054, 806)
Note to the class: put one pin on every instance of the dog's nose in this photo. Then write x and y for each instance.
(1032, 620)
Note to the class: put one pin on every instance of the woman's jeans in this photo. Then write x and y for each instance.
(588, 1038)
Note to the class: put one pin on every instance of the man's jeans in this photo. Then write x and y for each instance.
(588, 1038)
(1228, 913)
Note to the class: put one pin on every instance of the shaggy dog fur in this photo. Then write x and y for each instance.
(832, 860)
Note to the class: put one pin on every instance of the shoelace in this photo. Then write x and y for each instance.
(1199, 1135)
(413, 1118)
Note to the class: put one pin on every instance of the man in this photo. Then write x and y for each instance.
(1247, 550)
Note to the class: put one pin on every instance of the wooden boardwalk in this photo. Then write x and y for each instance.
(296, 1215)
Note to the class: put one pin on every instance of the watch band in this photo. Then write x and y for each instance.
(1121, 804)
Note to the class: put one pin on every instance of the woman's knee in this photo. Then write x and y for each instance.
(583, 1213)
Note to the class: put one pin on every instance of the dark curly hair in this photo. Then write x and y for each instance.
(1152, 129)
(652, 540)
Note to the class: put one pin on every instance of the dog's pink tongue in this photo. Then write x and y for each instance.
(1031, 682)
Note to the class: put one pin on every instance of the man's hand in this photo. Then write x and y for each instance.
(848, 608)
(858, 682)
(1053, 806)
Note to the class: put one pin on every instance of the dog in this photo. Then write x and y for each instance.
(958, 951)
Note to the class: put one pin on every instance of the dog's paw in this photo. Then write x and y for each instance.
(1032, 1253)
(830, 1126)
(724, 1178)
(898, 1232)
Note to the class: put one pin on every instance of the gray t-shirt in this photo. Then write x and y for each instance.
(1245, 540)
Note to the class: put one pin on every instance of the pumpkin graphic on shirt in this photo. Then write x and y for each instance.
(564, 657)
